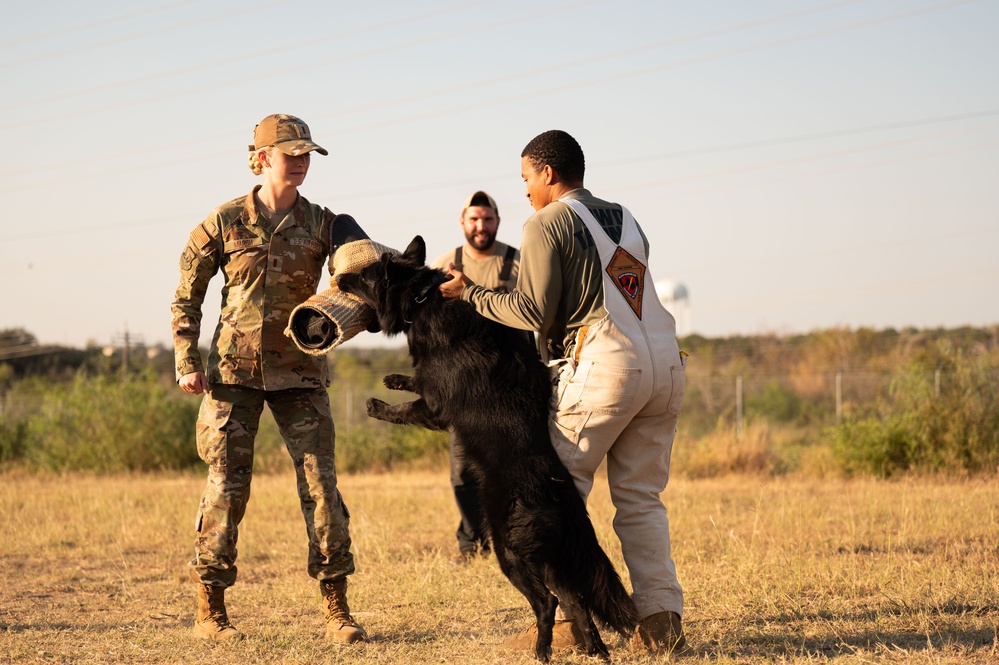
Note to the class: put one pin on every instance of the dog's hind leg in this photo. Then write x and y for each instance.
(591, 639)
(522, 575)
(543, 603)
(583, 618)
(544, 610)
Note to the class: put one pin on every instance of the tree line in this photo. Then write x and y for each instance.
(873, 402)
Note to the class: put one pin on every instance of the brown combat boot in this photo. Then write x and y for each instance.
(212, 622)
(565, 635)
(660, 633)
(340, 626)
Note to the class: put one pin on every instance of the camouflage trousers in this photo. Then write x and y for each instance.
(227, 426)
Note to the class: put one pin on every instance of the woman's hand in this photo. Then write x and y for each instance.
(194, 383)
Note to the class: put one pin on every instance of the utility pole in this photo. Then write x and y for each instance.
(124, 353)
(125, 341)
(738, 407)
(839, 397)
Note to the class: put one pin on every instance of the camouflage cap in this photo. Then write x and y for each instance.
(480, 198)
(287, 133)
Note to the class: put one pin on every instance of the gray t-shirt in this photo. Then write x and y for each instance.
(485, 272)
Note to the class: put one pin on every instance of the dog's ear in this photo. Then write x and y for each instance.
(428, 283)
(387, 267)
(417, 251)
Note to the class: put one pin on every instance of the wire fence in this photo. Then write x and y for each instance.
(813, 399)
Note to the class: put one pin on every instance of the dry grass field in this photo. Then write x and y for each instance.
(92, 570)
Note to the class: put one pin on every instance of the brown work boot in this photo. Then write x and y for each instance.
(565, 635)
(464, 557)
(660, 633)
(467, 556)
(340, 626)
(212, 622)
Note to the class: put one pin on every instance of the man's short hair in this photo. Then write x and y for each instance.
(557, 149)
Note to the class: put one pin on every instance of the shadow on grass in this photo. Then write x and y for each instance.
(897, 609)
(790, 646)
(786, 638)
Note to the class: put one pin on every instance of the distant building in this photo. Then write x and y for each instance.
(675, 297)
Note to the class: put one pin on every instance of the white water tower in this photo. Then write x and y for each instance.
(675, 297)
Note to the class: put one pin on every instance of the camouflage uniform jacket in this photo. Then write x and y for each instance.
(267, 274)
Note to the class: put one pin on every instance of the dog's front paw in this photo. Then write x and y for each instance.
(376, 408)
(397, 382)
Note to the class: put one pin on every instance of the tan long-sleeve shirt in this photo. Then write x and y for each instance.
(560, 286)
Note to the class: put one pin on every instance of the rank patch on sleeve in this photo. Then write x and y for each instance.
(187, 259)
(628, 274)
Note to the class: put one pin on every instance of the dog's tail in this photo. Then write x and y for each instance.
(597, 583)
(612, 604)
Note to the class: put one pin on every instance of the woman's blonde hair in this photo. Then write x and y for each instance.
(255, 164)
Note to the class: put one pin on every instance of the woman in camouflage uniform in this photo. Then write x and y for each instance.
(270, 246)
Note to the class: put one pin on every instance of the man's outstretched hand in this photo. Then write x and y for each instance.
(454, 286)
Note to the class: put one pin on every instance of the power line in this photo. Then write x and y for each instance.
(551, 69)
(616, 77)
(397, 191)
(131, 37)
(130, 223)
(730, 147)
(138, 257)
(243, 57)
(93, 24)
(464, 87)
(257, 77)
(818, 156)
(853, 168)
(834, 133)
(854, 249)
(864, 291)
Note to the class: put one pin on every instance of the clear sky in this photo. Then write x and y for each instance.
(796, 164)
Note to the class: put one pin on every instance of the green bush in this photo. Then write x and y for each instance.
(696, 419)
(914, 428)
(775, 402)
(882, 447)
(380, 447)
(55, 416)
(12, 441)
(269, 451)
(112, 423)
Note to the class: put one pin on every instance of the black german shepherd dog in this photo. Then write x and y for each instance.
(484, 381)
